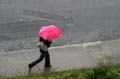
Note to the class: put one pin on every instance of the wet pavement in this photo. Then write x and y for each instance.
(62, 58)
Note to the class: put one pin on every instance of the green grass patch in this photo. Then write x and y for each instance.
(100, 72)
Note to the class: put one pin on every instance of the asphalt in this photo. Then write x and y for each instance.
(81, 21)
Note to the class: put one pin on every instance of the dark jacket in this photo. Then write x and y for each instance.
(46, 42)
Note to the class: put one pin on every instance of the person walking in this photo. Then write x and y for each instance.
(43, 48)
(46, 35)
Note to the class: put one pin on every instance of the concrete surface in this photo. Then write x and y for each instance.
(62, 58)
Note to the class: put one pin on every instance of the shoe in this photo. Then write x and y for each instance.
(48, 66)
(47, 69)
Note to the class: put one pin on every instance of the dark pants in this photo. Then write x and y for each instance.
(42, 56)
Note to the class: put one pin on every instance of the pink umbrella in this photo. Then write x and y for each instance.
(49, 32)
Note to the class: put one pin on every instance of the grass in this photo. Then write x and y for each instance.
(99, 72)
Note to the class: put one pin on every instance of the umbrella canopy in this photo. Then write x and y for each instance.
(49, 32)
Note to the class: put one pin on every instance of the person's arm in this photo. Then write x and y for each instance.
(49, 43)
(46, 42)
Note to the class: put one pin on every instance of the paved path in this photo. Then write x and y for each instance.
(62, 58)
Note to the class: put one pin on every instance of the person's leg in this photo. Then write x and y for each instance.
(47, 66)
(37, 61)
(47, 60)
